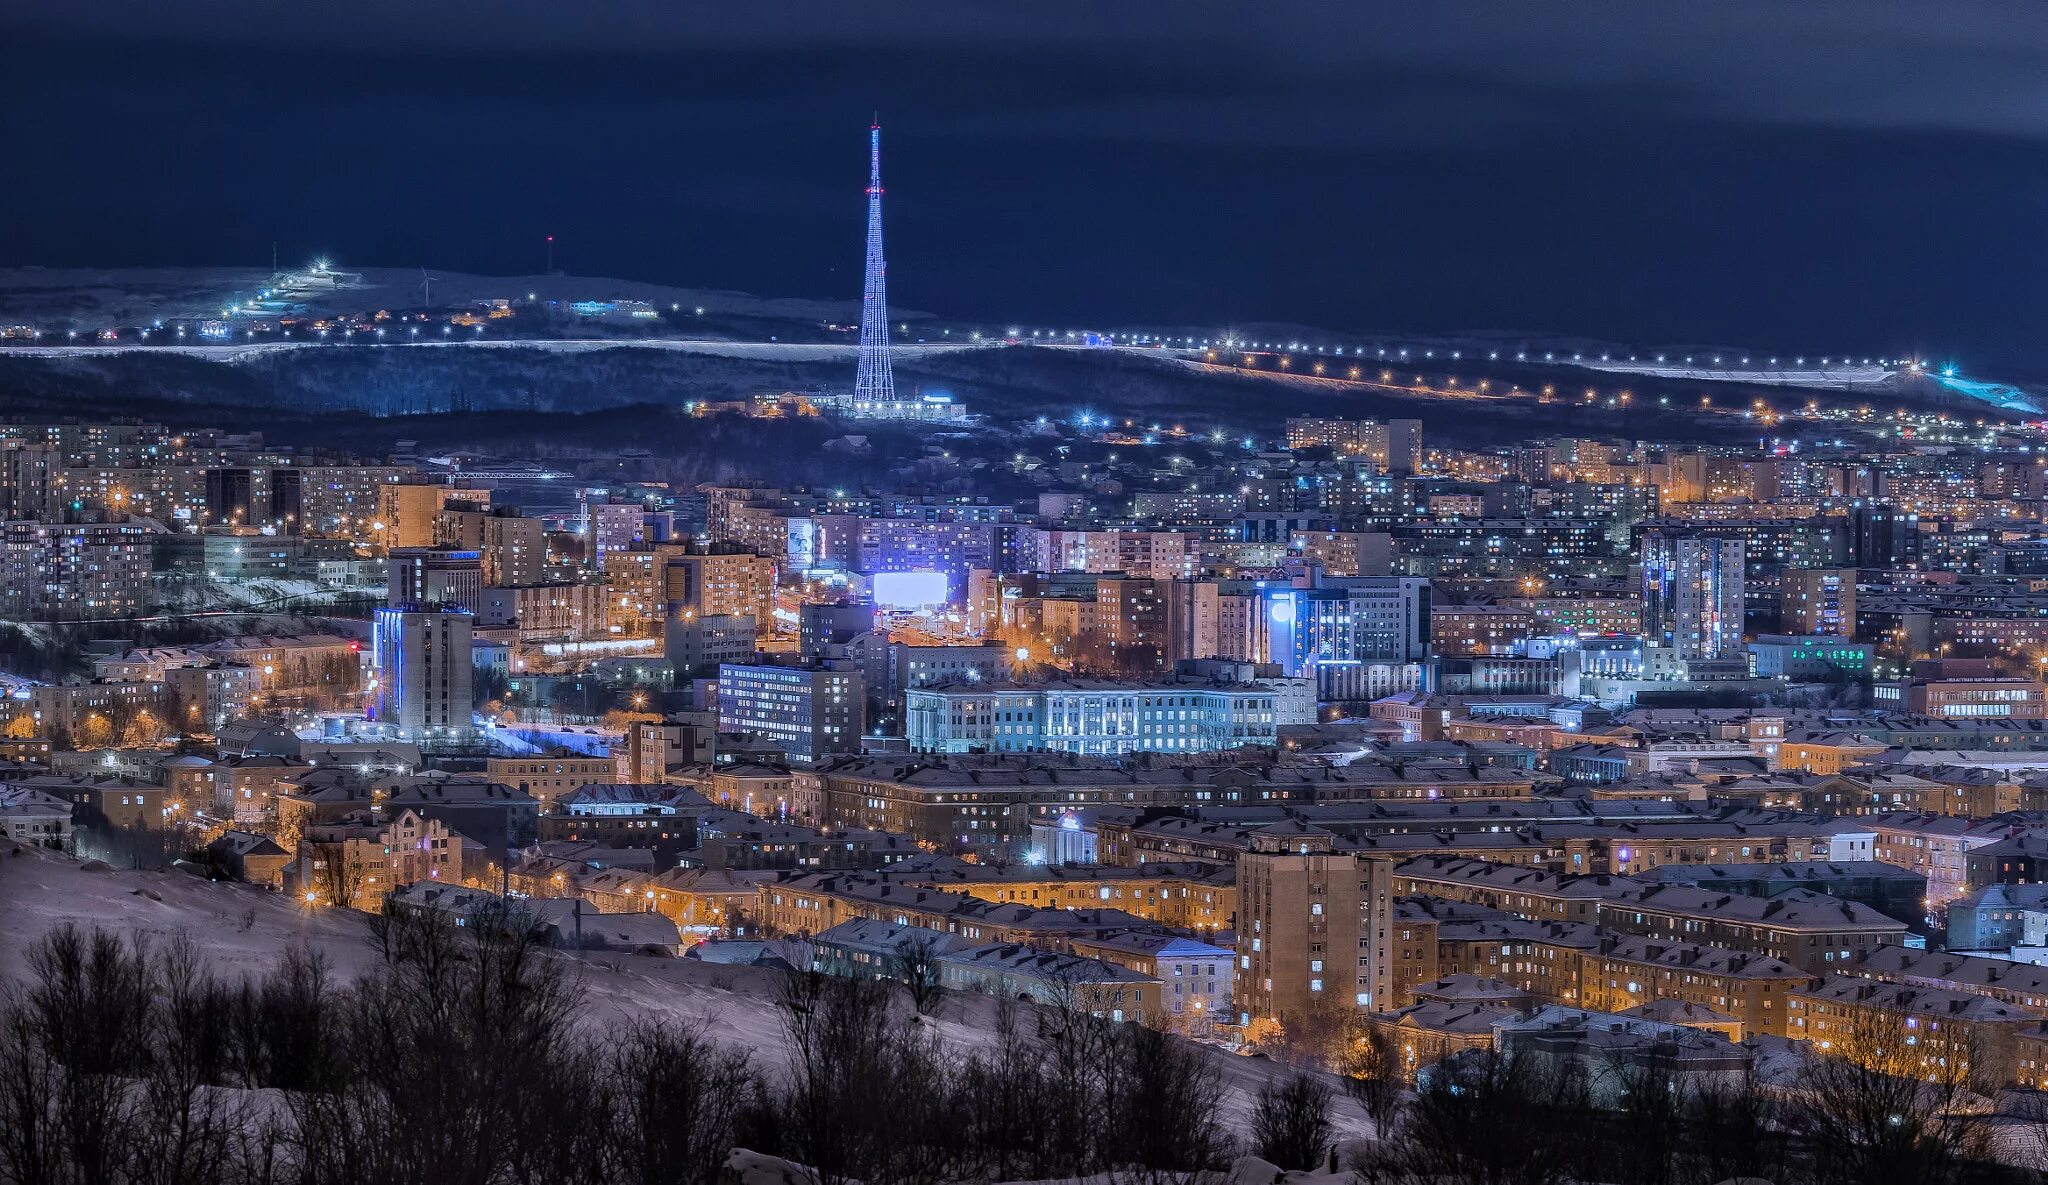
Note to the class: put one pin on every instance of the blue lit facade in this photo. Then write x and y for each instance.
(422, 672)
(1359, 637)
(1781, 656)
(1104, 720)
(810, 713)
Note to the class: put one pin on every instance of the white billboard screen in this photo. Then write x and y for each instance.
(909, 590)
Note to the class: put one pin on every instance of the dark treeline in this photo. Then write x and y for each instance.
(1487, 1118)
(461, 1061)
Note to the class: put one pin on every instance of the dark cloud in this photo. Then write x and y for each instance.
(1859, 176)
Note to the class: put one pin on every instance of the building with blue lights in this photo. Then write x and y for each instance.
(1693, 593)
(810, 712)
(1808, 657)
(1102, 718)
(1358, 637)
(422, 672)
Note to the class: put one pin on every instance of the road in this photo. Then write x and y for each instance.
(243, 351)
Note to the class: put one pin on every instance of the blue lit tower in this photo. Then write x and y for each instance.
(873, 380)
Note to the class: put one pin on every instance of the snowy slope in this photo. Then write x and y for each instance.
(99, 297)
(242, 931)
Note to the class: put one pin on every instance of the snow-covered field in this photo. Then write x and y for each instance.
(105, 297)
(241, 931)
(1837, 378)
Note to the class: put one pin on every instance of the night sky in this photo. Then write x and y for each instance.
(1867, 177)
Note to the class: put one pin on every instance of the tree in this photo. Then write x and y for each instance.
(1735, 1130)
(915, 961)
(455, 1052)
(1007, 1127)
(1880, 1106)
(1372, 1075)
(143, 730)
(1647, 1125)
(1291, 1122)
(21, 728)
(340, 873)
(95, 731)
(1265, 1033)
(1485, 1117)
(32, 1127)
(836, 1030)
(680, 1104)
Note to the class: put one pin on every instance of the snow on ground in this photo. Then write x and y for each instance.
(1840, 378)
(103, 297)
(2004, 396)
(240, 930)
(182, 593)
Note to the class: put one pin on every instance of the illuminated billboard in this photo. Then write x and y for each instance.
(909, 590)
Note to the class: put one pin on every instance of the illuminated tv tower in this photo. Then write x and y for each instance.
(872, 381)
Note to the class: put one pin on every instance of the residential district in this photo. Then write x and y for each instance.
(1700, 753)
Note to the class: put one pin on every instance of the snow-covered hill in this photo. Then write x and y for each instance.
(100, 297)
(241, 930)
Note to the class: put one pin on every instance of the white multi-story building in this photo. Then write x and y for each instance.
(1103, 718)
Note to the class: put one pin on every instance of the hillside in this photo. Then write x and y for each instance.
(243, 931)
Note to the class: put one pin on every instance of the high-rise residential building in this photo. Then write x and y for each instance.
(406, 511)
(1320, 432)
(821, 627)
(721, 502)
(1692, 594)
(613, 526)
(1346, 620)
(1401, 452)
(697, 644)
(1347, 553)
(421, 659)
(1461, 631)
(639, 586)
(925, 545)
(810, 712)
(1132, 617)
(655, 747)
(27, 472)
(75, 570)
(1883, 536)
(1394, 445)
(434, 576)
(1299, 918)
(564, 610)
(231, 497)
(1160, 555)
(1819, 602)
(1193, 620)
(735, 582)
(513, 548)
